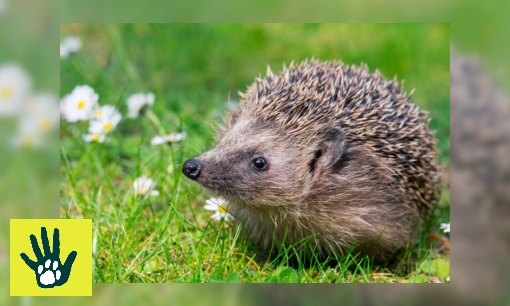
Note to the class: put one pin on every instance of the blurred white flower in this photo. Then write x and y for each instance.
(79, 104)
(73, 43)
(42, 109)
(220, 207)
(42, 103)
(105, 119)
(94, 138)
(28, 135)
(64, 52)
(63, 101)
(143, 185)
(137, 102)
(69, 45)
(39, 117)
(445, 227)
(14, 88)
(101, 111)
(174, 137)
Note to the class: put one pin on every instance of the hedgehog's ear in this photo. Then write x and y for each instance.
(331, 152)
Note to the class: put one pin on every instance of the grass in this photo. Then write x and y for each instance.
(194, 70)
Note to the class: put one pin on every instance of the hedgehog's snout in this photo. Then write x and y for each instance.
(192, 168)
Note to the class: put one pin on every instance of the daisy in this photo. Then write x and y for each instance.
(104, 119)
(69, 45)
(143, 185)
(64, 52)
(94, 137)
(41, 110)
(102, 111)
(38, 119)
(28, 135)
(138, 102)
(62, 106)
(174, 137)
(445, 227)
(219, 205)
(79, 104)
(14, 88)
(41, 103)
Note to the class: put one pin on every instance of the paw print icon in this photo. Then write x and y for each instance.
(49, 270)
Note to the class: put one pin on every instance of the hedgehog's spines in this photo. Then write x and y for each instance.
(369, 108)
(269, 73)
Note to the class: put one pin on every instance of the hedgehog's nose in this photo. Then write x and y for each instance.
(191, 168)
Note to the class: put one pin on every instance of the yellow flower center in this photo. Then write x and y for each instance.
(97, 113)
(222, 209)
(45, 125)
(32, 105)
(95, 137)
(107, 127)
(81, 104)
(6, 92)
(27, 140)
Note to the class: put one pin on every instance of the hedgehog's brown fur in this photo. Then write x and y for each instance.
(351, 160)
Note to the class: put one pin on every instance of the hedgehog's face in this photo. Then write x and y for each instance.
(259, 165)
(251, 165)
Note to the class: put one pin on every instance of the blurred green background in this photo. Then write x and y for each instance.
(195, 68)
(477, 27)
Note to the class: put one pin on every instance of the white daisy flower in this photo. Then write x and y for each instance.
(138, 101)
(15, 86)
(94, 138)
(105, 119)
(220, 207)
(73, 43)
(64, 52)
(79, 104)
(41, 109)
(174, 137)
(28, 135)
(38, 119)
(445, 227)
(69, 45)
(41, 103)
(106, 110)
(143, 185)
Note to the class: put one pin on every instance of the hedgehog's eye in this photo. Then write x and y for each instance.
(259, 163)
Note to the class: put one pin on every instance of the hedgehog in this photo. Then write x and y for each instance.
(328, 154)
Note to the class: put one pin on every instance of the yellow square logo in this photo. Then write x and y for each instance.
(51, 257)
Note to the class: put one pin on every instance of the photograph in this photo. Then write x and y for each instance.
(258, 153)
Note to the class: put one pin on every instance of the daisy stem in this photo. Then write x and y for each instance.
(156, 122)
